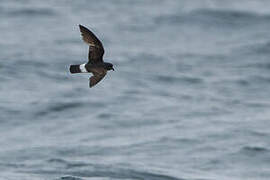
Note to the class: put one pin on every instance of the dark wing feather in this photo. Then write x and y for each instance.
(96, 49)
(98, 75)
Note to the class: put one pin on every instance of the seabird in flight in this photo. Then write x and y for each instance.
(95, 64)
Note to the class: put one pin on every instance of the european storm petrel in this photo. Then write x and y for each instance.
(95, 64)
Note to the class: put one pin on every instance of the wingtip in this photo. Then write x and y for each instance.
(81, 26)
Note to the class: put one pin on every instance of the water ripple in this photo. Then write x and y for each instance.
(29, 12)
(210, 17)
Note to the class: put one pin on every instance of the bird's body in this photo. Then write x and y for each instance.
(95, 64)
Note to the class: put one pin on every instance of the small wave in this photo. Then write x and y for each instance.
(70, 178)
(254, 152)
(105, 115)
(256, 49)
(242, 82)
(254, 149)
(170, 79)
(230, 15)
(223, 18)
(67, 164)
(111, 174)
(59, 107)
(260, 79)
(257, 104)
(81, 170)
(265, 65)
(125, 174)
(64, 106)
(259, 134)
(12, 165)
(57, 160)
(257, 66)
(30, 12)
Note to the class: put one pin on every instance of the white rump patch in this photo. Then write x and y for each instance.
(82, 68)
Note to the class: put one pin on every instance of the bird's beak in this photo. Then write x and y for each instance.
(112, 69)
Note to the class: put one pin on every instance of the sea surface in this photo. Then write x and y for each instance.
(189, 98)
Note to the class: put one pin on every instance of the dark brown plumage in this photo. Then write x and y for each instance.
(99, 73)
(96, 49)
(95, 63)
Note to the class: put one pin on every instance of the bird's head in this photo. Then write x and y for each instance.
(109, 66)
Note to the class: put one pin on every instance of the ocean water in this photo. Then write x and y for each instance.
(189, 98)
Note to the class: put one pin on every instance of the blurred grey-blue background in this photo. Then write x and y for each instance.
(189, 99)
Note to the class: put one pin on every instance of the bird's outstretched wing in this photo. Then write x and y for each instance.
(98, 75)
(96, 49)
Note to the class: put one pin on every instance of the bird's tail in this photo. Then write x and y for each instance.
(78, 68)
(74, 69)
